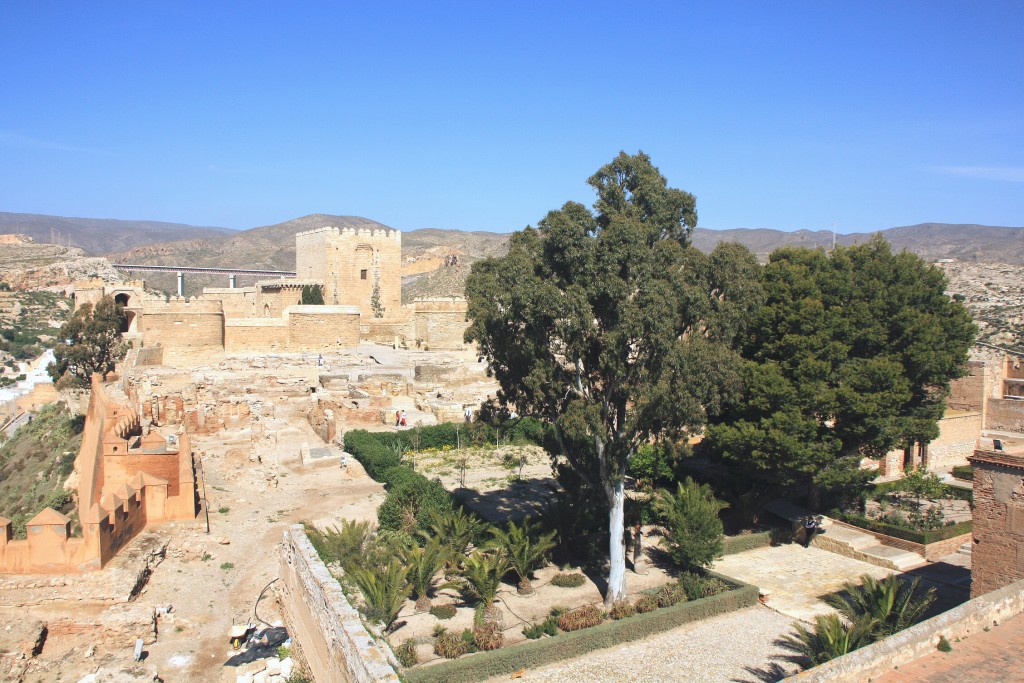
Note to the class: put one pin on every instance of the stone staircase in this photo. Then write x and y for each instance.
(863, 546)
(849, 541)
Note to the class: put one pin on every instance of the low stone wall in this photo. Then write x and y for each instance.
(931, 551)
(336, 645)
(876, 659)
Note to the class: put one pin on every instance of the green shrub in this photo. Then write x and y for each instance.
(744, 542)
(538, 653)
(487, 636)
(621, 610)
(650, 465)
(944, 645)
(923, 537)
(547, 627)
(696, 586)
(568, 580)
(581, 617)
(410, 503)
(445, 611)
(450, 646)
(693, 531)
(384, 592)
(406, 653)
(646, 603)
(671, 594)
(965, 472)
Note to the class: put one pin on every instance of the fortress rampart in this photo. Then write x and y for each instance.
(127, 481)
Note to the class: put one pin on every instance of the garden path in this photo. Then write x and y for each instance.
(796, 577)
(738, 646)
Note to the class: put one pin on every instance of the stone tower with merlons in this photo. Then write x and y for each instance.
(357, 267)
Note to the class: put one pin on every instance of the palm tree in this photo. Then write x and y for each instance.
(526, 549)
(423, 564)
(455, 529)
(831, 638)
(892, 603)
(482, 572)
(384, 591)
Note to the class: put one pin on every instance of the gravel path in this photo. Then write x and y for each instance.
(732, 647)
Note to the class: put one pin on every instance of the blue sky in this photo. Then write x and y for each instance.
(486, 115)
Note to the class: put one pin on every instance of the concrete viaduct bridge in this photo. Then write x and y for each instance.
(181, 270)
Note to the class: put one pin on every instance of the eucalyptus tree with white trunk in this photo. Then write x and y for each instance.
(608, 325)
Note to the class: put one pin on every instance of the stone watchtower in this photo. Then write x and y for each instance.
(997, 555)
(354, 265)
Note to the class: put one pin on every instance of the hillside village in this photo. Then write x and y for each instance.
(252, 445)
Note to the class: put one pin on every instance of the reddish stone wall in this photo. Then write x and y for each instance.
(1005, 415)
(118, 469)
(997, 556)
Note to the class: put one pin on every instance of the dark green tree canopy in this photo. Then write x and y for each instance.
(89, 342)
(312, 295)
(609, 326)
(851, 356)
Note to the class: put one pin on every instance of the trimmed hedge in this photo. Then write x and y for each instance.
(380, 455)
(965, 472)
(922, 537)
(738, 544)
(564, 646)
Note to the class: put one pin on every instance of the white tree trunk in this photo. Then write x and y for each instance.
(616, 545)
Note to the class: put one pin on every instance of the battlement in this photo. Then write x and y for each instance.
(349, 233)
(176, 304)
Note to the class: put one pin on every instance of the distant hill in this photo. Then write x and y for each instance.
(99, 236)
(436, 261)
(931, 241)
(270, 247)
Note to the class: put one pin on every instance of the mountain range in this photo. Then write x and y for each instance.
(435, 261)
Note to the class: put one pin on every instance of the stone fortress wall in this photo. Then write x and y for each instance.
(981, 403)
(128, 478)
(356, 268)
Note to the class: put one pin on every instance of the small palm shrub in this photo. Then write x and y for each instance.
(450, 646)
(341, 544)
(488, 636)
(581, 617)
(482, 572)
(424, 563)
(693, 531)
(526, 549)
(646, 603)
(406, 653)
(568, 580)
(830, 638)
(621, 610)
(445, 611)
(384, 591)
(547, 627)
(455, 529)
(892, 603)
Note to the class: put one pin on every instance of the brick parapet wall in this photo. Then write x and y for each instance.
(336, 645)
(890, 653)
